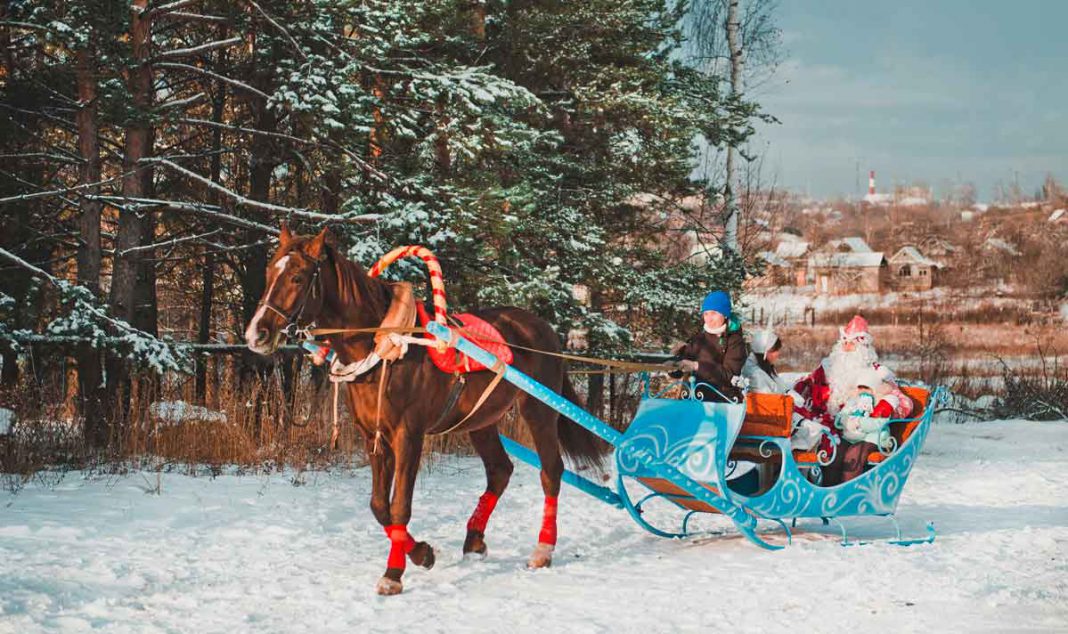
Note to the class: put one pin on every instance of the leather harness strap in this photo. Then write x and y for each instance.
(498, 368)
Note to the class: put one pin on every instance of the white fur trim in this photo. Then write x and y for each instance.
(763, 340)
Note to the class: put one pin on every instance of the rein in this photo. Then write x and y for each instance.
(622, 366)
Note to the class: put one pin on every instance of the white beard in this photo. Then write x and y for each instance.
(842, 369)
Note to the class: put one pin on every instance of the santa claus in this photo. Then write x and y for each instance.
(820, 396)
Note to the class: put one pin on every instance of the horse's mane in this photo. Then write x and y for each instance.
(356, 287)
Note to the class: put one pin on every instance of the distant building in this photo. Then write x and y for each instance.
(911, 271)
(913, 196)
(847, 266)
(938, 247)
(792, 257)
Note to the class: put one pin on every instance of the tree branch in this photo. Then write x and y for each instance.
(278, 26)
(248, 202)
(211, 211)
(197, 50)
(167, 243)
(204, 71)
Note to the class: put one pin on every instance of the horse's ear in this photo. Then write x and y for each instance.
(285, 236)
(317, 247)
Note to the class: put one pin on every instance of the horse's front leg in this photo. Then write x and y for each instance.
(408, 449)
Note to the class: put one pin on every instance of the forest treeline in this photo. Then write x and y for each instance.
(150, 150)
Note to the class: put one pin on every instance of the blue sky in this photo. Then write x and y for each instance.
(941, 91)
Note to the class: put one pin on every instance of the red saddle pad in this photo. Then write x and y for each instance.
(476, 330)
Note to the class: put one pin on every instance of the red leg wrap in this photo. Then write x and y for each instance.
(400, 544)
(482, 513)
(548, 522)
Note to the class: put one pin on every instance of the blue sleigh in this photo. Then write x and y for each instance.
(683, 450)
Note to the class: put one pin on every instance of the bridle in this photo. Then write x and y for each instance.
(293, 317)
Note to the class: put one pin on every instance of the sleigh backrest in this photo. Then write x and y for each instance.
(768, 415)
(919, 398)
(901, 430)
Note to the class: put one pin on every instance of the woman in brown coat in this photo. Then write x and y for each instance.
(717, 353)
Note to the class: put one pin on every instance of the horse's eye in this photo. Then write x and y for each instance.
(298, 279)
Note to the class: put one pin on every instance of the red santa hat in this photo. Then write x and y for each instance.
(857, 331)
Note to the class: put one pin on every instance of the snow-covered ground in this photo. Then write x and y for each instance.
(256, 553)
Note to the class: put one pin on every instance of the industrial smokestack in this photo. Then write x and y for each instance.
(871, 183)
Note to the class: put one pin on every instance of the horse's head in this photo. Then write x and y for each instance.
(294, 290)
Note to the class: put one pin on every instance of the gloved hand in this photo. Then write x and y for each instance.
(687, 365)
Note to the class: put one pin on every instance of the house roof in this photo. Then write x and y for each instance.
(912, 254)
(773, 259)
(791, 249)
(855, 244)
(997, 244)
(938, 242)
(846, 260)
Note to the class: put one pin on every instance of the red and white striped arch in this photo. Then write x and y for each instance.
(437, 282)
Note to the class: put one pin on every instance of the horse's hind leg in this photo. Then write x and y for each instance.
(499, 467)
(543, 421)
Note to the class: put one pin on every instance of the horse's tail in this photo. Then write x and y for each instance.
(579, 443)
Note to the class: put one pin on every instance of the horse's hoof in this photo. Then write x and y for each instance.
(422, 555)
(388, 587)
(542, 557)
(475, 546)
(475, 556)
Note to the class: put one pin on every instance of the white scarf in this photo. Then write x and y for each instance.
(716, 331)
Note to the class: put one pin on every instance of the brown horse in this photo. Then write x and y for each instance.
(308, 280)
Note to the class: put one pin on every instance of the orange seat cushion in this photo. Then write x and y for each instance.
(768, 415)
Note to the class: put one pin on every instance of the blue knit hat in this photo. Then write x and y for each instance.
(718, 301)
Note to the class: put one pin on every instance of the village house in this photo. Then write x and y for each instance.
(938, 247)
(911, 271)
(847, 266)
(792, 258)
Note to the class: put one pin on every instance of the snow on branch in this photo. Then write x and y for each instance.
(171, 6)
(196, 17)
(248, 202)
(197, 50)
(167, 243)
(178, 103)
(211, 211)
(87, 322)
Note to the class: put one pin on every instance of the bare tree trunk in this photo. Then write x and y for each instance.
(734, 44)
(207, 295)
(135, 184)
(90, 371)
